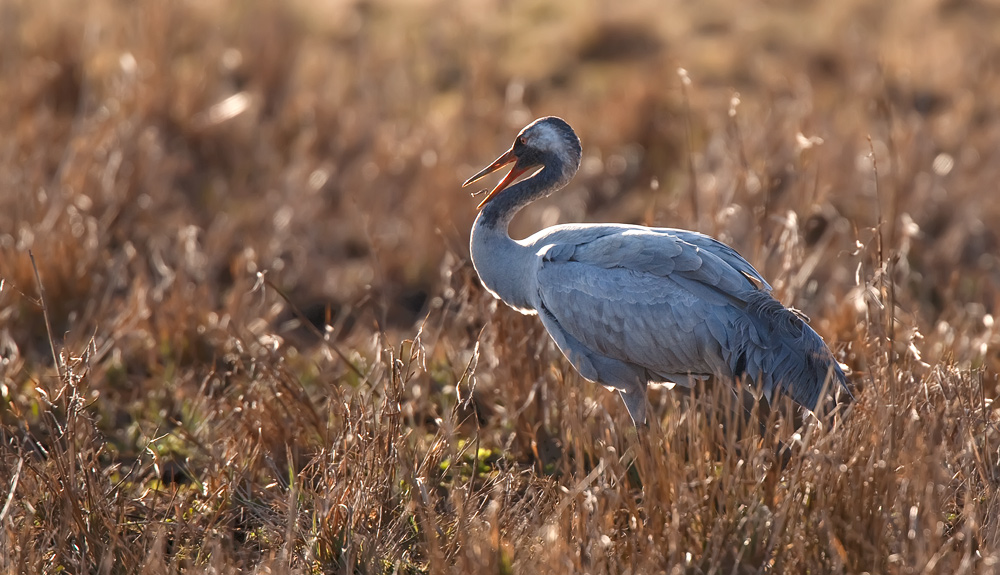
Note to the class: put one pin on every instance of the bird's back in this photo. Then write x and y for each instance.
(676, 304)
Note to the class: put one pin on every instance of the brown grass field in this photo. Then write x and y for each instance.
(251, 339)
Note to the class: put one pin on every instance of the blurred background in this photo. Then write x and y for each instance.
(201, 182)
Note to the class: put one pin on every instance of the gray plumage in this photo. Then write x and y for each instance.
(630, 305)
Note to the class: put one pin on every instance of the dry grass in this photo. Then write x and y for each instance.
(273, 354)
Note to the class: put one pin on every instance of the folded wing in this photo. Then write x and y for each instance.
(677, 304)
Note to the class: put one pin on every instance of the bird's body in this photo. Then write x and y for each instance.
(629, 305)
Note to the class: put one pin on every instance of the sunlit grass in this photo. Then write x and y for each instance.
(274, 355)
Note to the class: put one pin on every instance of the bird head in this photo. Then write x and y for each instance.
(548, 143)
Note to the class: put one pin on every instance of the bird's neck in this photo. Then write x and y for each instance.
(506, 266)
(499, 211)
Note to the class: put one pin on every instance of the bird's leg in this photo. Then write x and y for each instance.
(635, 400)
(628, 379)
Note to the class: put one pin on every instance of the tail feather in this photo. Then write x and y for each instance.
(793, 360)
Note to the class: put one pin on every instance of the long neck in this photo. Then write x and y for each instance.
(504, 265)
(498, 212)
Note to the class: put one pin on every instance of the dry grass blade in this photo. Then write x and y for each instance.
(45, 314)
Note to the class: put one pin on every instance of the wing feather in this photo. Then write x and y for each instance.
(680, 304)
(645, 298)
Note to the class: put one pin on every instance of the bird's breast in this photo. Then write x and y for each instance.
(508, 269)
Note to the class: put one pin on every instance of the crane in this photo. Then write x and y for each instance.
(631, 305)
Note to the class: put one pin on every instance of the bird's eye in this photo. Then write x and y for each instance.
(522, 140)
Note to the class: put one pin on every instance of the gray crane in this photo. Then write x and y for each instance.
(632, 305)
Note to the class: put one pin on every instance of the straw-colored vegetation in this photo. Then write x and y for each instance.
(267, 351)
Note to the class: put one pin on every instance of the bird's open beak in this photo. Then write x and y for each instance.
(500, 162)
